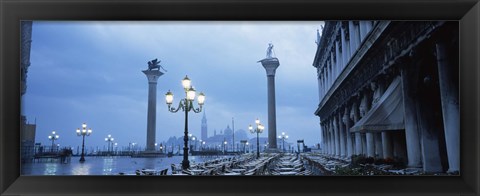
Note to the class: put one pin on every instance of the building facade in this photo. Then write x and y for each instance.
(27, 132)
(389, 89)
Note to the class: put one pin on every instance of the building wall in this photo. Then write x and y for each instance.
(357, 60)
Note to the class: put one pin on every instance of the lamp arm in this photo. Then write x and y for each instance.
(197, 110)
(175, 110)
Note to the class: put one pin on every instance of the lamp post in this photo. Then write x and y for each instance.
(161, 148)
(189, 139)
(186, 105)
(224, 145)
(84, 132)
(53, 137)
(243, 142)
(109, 140)
(194, 143)
(258, 130)
(248, 149)
(116, 148)
(283, 137)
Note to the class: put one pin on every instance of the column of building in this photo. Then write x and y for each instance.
(320, 85)
(324, 138)
(450, 103)
(342, 137)
(332, 137)
(424, 105)
(370, 143)
(354, 34)
(345, 44)
(385, 137)
(378, 90)
(410, 117)
(346, 121)
(338, 51)
(365, 27)
(358, 138)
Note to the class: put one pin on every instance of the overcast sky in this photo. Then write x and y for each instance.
(91, 72)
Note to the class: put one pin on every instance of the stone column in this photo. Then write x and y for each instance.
(450, 109)
(333, 66)
(399, 145)
(325, 80)
(363, 30)
(346, 121)
(322, 86)
(412, 136)
(378, 145)
(387, 145)
(319, 80)
(338, 57)
(368, 25)
(324, 138)
(354, 36)
(336, 136)
(358, 138)
(341, 130)
(152, 76)
(271, 65)
(429, 130)
(364, 107)
(327, 137)
(345, 46)
(332, 138)
(378, 89)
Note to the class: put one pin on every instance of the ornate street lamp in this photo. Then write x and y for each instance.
(84, 132)
(186, 105)
(109, 139)
(258, 130)
(283, 137)
(53, 137)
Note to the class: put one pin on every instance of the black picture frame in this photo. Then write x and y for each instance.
(12, 12)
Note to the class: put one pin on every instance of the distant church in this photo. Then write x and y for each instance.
(204, 127)
(226, 135)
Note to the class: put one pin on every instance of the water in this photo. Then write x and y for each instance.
(107, 165)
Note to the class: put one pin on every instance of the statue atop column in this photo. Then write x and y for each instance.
(155, 64)
(270, 51)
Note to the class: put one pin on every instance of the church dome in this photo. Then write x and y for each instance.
(228, 131)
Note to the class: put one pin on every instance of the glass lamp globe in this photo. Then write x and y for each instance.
(186, 83)
(201, 98)
(191, 94)
(169, 97)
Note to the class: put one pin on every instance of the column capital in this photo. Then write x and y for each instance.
(270, 65)
(152, 75)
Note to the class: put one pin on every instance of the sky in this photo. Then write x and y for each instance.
(92, 72)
